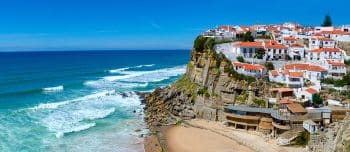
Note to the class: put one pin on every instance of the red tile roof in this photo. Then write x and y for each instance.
(326, 50)
(334, 63)
(249, 66)
(297, 45)
(296, 74)
(311, 90)
(281, 89)
(250, 44)
(316, 68)
(302, 66)
(275, 45)
(296, 108)
(274, 72)
(290, 38)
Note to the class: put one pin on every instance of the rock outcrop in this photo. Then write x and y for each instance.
(202, 92)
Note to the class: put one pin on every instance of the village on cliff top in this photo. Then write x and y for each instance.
(304, 60)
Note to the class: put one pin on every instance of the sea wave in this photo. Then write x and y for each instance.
(53, 89)
(127, 68)
(127, 77)
(60, 134)
(82, 113)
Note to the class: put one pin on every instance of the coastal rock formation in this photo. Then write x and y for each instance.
(208, 85)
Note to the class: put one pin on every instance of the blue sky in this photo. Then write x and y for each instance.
(143, 24)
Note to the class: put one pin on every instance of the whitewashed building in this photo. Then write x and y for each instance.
(323, 54)
(254, 70)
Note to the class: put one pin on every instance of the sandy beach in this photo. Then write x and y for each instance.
(190, 139)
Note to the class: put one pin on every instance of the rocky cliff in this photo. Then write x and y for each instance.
(208, 85)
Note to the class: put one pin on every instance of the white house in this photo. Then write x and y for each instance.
(321, 42)
(326, 53)
(296, 51)
(338, 35)
(247, 49)
(254, 70)
(275, 51)
(314, 73)
(311, 126)
(289, 40)
(293, 79)
(335, 69)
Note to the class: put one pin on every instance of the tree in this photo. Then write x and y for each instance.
(240, 59)
(260, 53)
(317, 99)
(327, 21)
(269, 66)
(248, 37)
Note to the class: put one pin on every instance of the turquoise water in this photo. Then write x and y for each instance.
(80, 101)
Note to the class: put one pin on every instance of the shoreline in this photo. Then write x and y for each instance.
(200, 135)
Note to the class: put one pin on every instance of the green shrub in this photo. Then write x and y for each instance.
(259, 102)
(240, 59)
(317, 99)
(199, 43)
(302, 139)
(269, 66)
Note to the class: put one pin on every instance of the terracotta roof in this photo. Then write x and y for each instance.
(249, 66)
(244, 28)
(316, 68)
(290, 38)
(250, 44)
(302, 66)
(325, 39)
(337, 32)
(297, 45)
(275, 45)
(281, 89)
(297, 66)
(274, 72)
(334, 63)
(296, 108)
(311, 90)
(227, 28)
(326, 50)
(296, 74)
(286, 101)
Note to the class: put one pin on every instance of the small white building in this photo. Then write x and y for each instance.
(254, 70)
(311, 126)
(289, 40)
(335, 69)
(275, 51)
(293, 79)
(247, 49)
(323, 54)
(296, 51)
(321, 42)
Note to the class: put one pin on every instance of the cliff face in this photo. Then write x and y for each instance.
(202, 92)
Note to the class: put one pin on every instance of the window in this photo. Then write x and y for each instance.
(326, 42)
(313, 42)
(280, 51)
(250, 50)
(244, 50)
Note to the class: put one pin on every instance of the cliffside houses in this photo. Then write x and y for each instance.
(254, 70)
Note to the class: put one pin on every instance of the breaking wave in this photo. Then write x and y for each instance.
(53, 89)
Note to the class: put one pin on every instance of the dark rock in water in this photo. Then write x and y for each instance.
(134, 111)
(124, 95)
(142, 96)
(137, 130)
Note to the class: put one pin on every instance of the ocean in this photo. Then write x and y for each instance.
(80, 100)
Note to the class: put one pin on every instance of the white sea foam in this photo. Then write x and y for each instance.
(53, 89)
(127, 68)
(81, 113)
(136, 78)
(60, 134)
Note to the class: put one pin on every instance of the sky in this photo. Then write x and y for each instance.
(44, 25)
